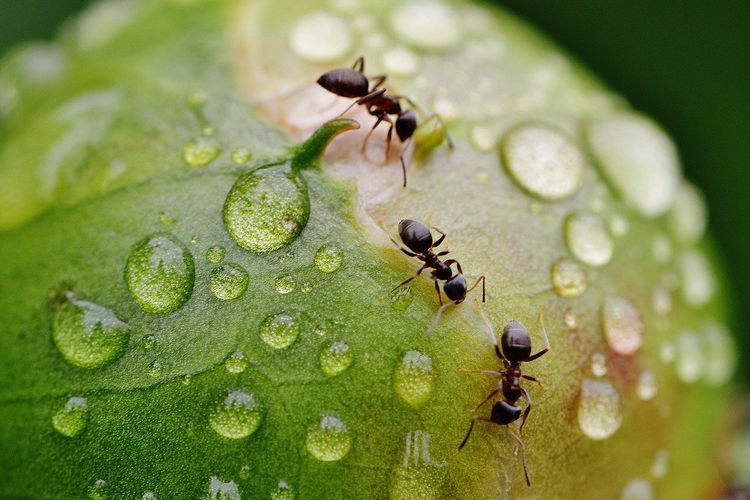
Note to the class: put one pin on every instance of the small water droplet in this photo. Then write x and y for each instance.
(241, 156)
(320, 37)
(419, 476)
(400, 61)
(622, 325)
(236, 416)
(221, 490)
(429, 25)
(619, 225)
(571, 319)
(637, 489)
(245, 471)
(336, 358)
(73, 418)
(321, 329)
(646, 386)
(543, 161)
(166, 219)
(689, 359)
(568, 278)
(236, 362)
(155, 370)
(160, 273)
(200, 152)
(306, 287)
(279, 331)
(599, 409)
(86, 334)
(283, 492)
(187, 379)
(598, 364)
(228, 281)
(698, 281)
(688, 216)
(721, 354)
(266, 211)
(216, 254)
(661, 301)
(415, 379)
(149, 342)
(148, 495)
(328, 258)
(588, 239)
(447, 109)
(285, 284)
(97, 492)
(667, 351)
(402, 298)
(660, 465)
(328, 440)
(482, 138)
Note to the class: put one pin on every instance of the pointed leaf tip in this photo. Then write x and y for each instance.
(307, 154)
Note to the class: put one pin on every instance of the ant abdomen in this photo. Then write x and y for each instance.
(504, 413)
(345, 82)
(415, 235)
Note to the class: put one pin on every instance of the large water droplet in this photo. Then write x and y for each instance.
(73, 418)
(200, 152)
(216, 254)
(419, 476)
(221, 490)
(402, 298)
(328, 440)
(266, 211)
(599, 409)
(285, 284)
(160, 273)
(236, 416)
(336, 358)
(279, 331)
(698, 281)
(639, 160)
(86, 334)
(587, 238)
(690, 358)
(646, 385)
(543, 161)
(415, 379)
(236, 362)
(328, 258)
(568, 278)
(688, 217)
(228, 281)
(622, 325)
(320, 37)
(637, 489)
(430, 25)
(721, 354)
(283, 492)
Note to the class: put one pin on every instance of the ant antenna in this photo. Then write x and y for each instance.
(436, 319)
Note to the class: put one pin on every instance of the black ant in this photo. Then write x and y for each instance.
(516, 349)
(352, 83)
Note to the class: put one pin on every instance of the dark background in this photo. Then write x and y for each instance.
(686, 63)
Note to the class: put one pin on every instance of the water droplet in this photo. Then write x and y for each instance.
(96, 492)
(187, 379)
(598, 364)
(429, 25)
(197, 99)
(215, 254)
(419, 476)
(568, 278)
(166, 219)
(73, 418)
(155, 370)
(637, 489)
(320, 37)
(241, 156)
(200, 152)
(236, 362)
(208, 131)
(599, 409)
(149, 342)
(220, 490)
(660, 465)
(622, 325)
(283, 492)
(236, 415)
(415, 379)
(698, 282)
(328, 440)
(570, 319)
(588, 239)
(279, 331)
(639, 160)
(228, 281)
(86, 334)
(402, 298)
(306, 287)
(689, 357)
(646, 386)
(285, 284)
(149, 495)
(336, 358)
(245, 471)
(619, 225)
(400, 61)
(328, 258)
(160, 273)
(543, 161)
(482, 138)
(661, 301)
(688, 216)
(264, 212)
(721, 354)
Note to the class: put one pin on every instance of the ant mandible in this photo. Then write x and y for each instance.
(352, 83)
(418, 238)
(516, 349)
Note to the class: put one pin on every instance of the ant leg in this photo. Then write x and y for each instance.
(491, 373)
(468, 433)
(437, 117)
(377, 82)
(363, 100)
(440, 254)
(481, 278)
(527, 410)
(535, 380)
(439, 240)
(388, 146)
(381, 118)
(546, 341)
(401, 158)
(359, 62)
(523, 454)
(437, 289)
(408, 280)
(490, 331)
(491, 395)
(407, 252)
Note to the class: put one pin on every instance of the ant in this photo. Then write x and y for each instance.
(352, 83)
(516, 349)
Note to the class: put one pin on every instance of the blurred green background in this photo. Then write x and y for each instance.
(685, 63)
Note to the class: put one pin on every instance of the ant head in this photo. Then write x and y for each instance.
(516, 342)
(406, 124)
(345, 82)
(415, 235)
(455, 288)
(504, 413)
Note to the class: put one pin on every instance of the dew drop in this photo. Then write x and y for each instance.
(402, 298)
(599, 409)
(570, 319)
(400, 61)
(482, 138)
(148, 495)
(619, 225)
(149, 342)
(166, 219)
(637, 489)
(598, 364)
(187, 379)
(721, 354)
(228, 281)
(285, 284)
(689, 357)
(245, 471)
(279, 331)
(328, 440)
(220, 490)
(688, 216)
(73, 418)
(568, 278)
(264, 212)
(661, 301)
(241, 156)
(236, 416)
(660, 465)
(96, 492)
(698, 281)
(320, 37)
(328, 258)
(236, 362)
(419, 476)
(86, 334)
(646, 385)
(639, 160)
(415, 379)
(216, 254)
(336, 358)
(588, 239)
(200, 152)
(306, 287)
(155, 370)
(283, 492)
(429, 25)
(622, 325)
(160, 273)
(543, 161)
